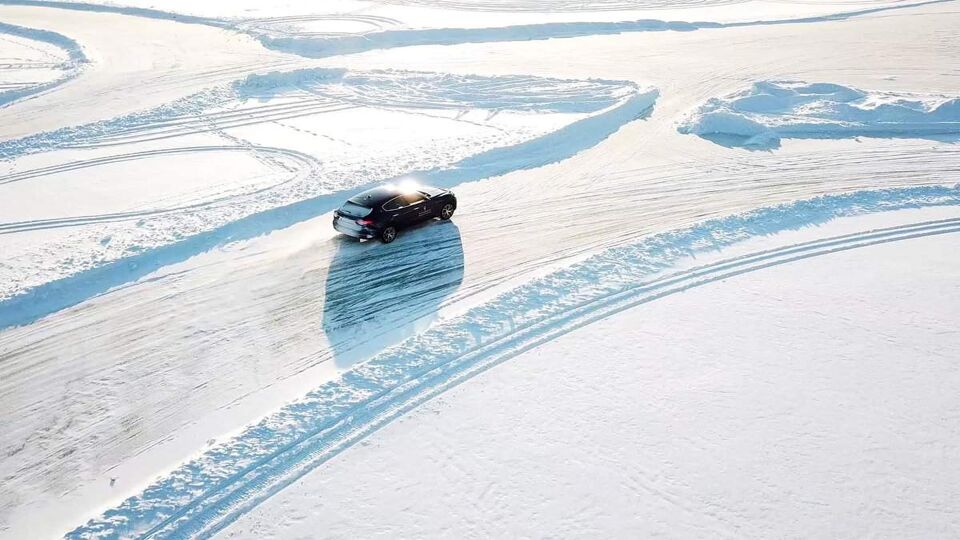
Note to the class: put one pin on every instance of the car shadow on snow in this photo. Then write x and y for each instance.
(377, 295)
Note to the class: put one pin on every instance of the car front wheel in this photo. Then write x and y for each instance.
(388, 234)
(446, 211)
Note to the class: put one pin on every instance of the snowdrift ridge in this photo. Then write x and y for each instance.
(770, 110)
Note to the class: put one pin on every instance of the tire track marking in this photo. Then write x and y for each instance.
(211, 122)
(305, 165)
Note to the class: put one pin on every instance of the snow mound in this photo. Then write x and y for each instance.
(771, 110)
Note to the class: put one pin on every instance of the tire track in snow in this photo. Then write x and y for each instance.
(305, 165)
(282, 25)
(168, 124)
(72, 67)
(120, 158)
(121, 10)
(324, 47)
(205, 495)
(182, 126)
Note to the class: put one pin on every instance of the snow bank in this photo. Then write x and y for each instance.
(123, 10)
(70, 68)
(423, 90)
(451, 29)
(770, 110)
(321, 46)
(206, 494)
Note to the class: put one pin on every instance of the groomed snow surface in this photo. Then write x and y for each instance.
(815, 398)
(231, 479)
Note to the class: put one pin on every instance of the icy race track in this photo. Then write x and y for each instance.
(181, 334)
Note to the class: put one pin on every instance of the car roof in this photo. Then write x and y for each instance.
(430, 190)
(381, 194)
(376, 196)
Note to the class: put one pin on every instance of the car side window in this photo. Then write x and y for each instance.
(412, 198)
(395, 203)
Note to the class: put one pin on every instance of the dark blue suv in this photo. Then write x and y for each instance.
(383, 211)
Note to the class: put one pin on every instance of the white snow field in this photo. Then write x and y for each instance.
(680, 420)
(188, 349)
(267, 457)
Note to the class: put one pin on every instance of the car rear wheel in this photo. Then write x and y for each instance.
(446, 211)
(388, 234)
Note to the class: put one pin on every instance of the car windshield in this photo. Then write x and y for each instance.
(355, 210)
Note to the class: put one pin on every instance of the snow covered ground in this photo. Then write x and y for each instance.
(235, 476)
(677, 419)
(182, 334)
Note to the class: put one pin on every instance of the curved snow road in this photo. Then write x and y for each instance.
(230, 479)
(296, 164)
(323, 46)
(69, 66)
(157, 61)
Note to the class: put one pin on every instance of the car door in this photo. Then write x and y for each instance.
(415, 208)
(396, 208)
(403, 213)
